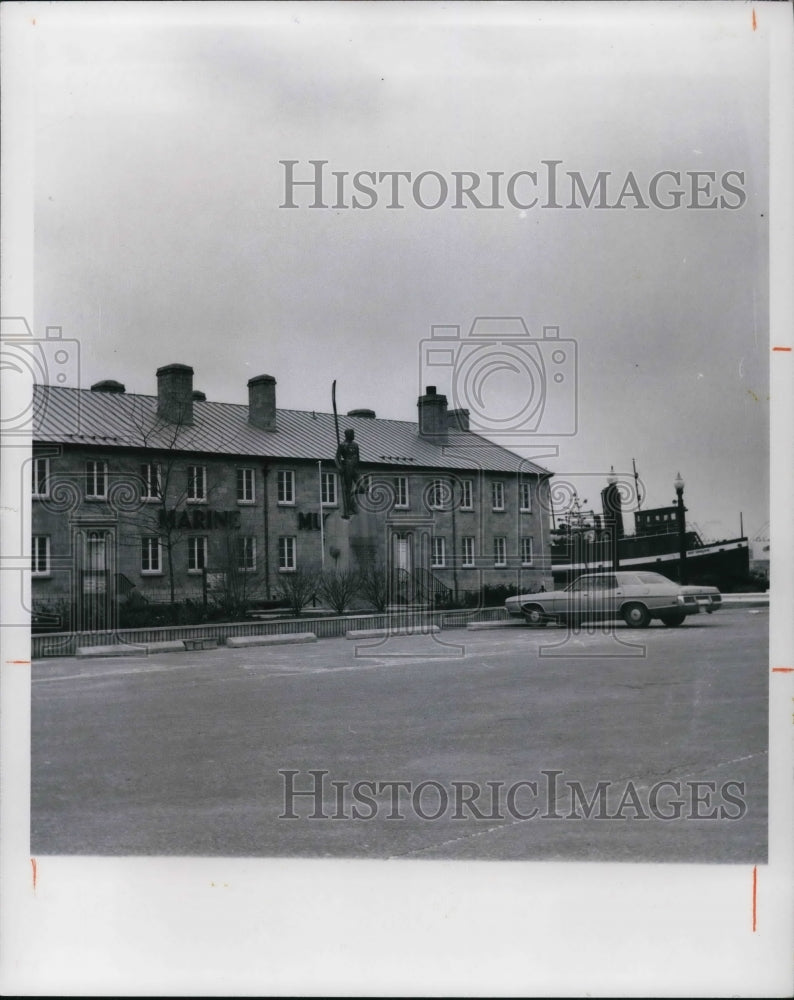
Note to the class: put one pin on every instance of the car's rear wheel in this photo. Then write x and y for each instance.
(636, 615)
(675, 619)
(535, 616)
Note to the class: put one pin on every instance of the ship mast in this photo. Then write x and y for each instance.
(637, 485)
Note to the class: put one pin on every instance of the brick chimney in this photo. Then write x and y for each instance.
(175, 394)
(458, 420)
(433, 420)
(262, 402)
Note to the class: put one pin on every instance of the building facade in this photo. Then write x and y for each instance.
(173, 497)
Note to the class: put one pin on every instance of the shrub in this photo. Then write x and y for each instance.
(338, 588)
(373, 586)
(298, 588)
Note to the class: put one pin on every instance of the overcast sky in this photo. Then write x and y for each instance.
(159, 235)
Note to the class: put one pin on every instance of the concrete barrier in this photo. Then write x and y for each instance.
(202, 642)
(238, 641)
(84, 652)
(513, 623)
(378, 633)
(145, 649)
(732, 602)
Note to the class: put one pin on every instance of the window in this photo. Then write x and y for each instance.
(438, 554)
(196, 484)
(498, 496)
(196, 553)
(328, 489)
(401, 491)
(41, 475)
(589, 583)
(40, 556)
(466, 495)
(500, 551)
(435, 495)
(96, 475)
(151, 552)
(286, 554)
(468, 550)
(150, 481)
(246, 554)
(526, 551)
(285, 479)
(526, 497)
(245, 486)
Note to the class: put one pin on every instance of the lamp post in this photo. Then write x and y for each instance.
(612, 513)
(679, 492)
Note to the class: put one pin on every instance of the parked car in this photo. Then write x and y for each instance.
(635, 597)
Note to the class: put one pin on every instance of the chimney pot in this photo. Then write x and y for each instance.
(108, 385)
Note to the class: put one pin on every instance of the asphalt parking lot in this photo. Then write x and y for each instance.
(530, 744)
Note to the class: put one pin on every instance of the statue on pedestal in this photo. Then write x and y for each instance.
(347, 462)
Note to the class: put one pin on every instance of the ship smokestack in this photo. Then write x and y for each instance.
(612, 503)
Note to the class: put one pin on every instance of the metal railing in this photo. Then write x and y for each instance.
(66, 643)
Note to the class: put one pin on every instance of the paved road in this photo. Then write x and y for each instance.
(180, 754)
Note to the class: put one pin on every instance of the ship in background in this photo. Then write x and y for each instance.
(586, 542)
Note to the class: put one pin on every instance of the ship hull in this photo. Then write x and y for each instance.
(723, 564)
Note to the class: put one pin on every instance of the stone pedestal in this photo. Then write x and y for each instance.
(366, 539)
(358, 539)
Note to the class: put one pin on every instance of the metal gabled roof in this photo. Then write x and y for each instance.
(127, 420)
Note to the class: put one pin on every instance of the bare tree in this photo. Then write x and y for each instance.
(162, 487)
(373, 584)
(298, 588)
(241, 583)
(339, 587)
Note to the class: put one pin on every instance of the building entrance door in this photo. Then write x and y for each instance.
(94, 549)
(401, 576)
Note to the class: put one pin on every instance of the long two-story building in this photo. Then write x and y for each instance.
(167, 496)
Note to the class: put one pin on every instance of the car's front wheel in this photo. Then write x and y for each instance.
(675, 619)
(535, 616)
(636, 615)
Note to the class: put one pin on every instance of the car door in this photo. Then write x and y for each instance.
(606, 597)
(577, 599)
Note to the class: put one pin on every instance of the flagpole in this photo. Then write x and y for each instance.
(322, 529)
